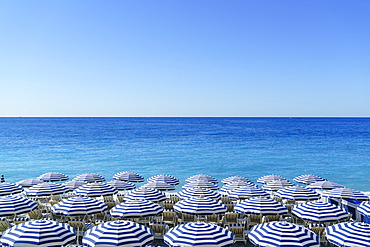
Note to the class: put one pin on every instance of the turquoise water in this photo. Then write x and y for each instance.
(337, 149)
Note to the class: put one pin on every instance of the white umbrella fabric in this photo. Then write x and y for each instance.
(234, 179)
(297, 193)
(198, 192)
(74, 184)
(325, 185)
(164, 178)
(346, 193)
(53, 176)
(247, 192)
(79, 206)
(90, 178)
(308, 179)
(95, 190)
(13, 205)
(201, 184)
(201, 177)
(9, 189)
(128, 176)
(349, 234)
(319, 212)
(163, 186)
(46, 189)
(261, 205)
(364, 208)
(268, 178)
(147, 194)
(122, 185)
(135, 209)
(275, 185)
(30, 182)
(200, 206)
(237, 184)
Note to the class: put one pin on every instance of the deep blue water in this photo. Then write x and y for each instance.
(337, 149)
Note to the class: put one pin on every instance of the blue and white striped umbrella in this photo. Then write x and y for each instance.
(319, 212)
(200, 206)
(53, 176)
(159, 186)
(46, 189)
(247, 192)
(43, 233)
(297, 193)
(164, 178)
(9, 189)
(234, 179)
(95, 190)
(356, 234)
(199, 234)
(118, 233)
(276, 185)
(147, 194)
(325, 185)
(268, 178)
(364, 208)
(198, 192)
(282, 234)
(237, 184)
(135, 209)
(308, 179)
(346, 193)
(13, 205)
(74, 184)
(261, 205)
(201, 184)
(90, 178)
(79, 206)
(122, 185)
(128, 176)
(30, 182)
(201, 177)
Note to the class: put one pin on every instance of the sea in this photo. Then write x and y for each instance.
(337, 149)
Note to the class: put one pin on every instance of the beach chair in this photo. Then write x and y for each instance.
(269, 218)
(254, 219)
(225, 199)
(169, 217)
(187, 218)
(159, 229)
(119, 199)
(80, 226)
(230, 206)
(4, 225)
(35, 215)
(230, 218)
(239, 232)
(320, 231)
(108, 199)
(174, 198)
(56, 198)
(110, 204)
(213, 219)
(168, 205)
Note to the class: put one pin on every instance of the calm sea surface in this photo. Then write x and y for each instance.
(337, 149)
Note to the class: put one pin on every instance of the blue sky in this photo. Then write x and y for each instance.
(185, 58)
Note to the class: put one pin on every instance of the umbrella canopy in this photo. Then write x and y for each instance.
(39, 233)
(122, 185)
(325, 185)
(8, 189)
(147, 194)
(198, 192)
(237, 184)
(46, 189)
(275, 185)
(128, 176)
(200, 206)
(346, 193)
(261, 205)
(30, 182)
(53, 176)
(308, 179)
(79, 206)
(247, 192)
(319, 212)
(354, 234)
(136, 208)
(364, 208)
(201, 184)
(13, 205)
(164, 178)
(199, 234)
(201, 177)
(95, 190)
(90, 178)
(297, 193)
(74, 184)
(159, 186)
(234, 179)
(118, 233)
(282, 234)
(268, 178)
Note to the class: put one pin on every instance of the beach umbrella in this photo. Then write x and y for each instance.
(247, 192)
(319, 212)
(95, 190)
(9, 189)
(13, 205)
(282, 234)
(364, 208)
(43, 233)
(74, 184)
(53, 176)
(200, 206)
(325, 185)
(268, 178)
(199, 234)
(308, 179)
(118, 233)
(234, 179)
(201, 177)
(297, 193)
(147, 194)
(237, 184)
(164, 178)
(198, 192)
(90, 178)
(354, 234)
(46, 189)
(79, 206)
(30, 182)
(159, 186)
(128, 176)
(121, 185)
(261, 205)
(201, 184)
(346, 194)
(275, 185)
(136, 208)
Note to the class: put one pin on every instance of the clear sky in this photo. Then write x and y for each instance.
(185, 58)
